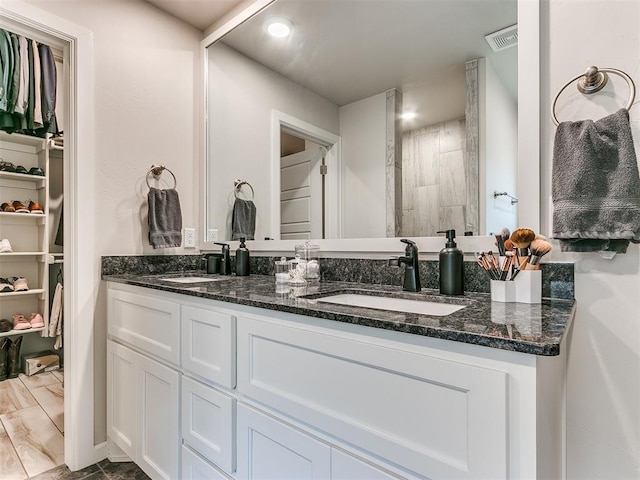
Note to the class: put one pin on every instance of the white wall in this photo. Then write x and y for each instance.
(146, 111)
(604, 351)
(498, 154)
(363, 131)
(242, 95)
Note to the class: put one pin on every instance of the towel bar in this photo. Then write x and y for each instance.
(594, 80)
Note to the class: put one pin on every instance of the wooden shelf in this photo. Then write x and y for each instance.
(23, 177)
(20, 254)
(20, 332)
(23, 216)
(21, 139)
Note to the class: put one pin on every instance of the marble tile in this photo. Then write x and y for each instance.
(408, 180)
(10, 466)
(39, 444)
(452, 217)
(38, 380)
(452, 136)
(427, 211)
(426, 154)
(122, 470)
(408, 224)
(62, 472)
(14, 396)
(453, 187)
(59, 374)
(51, 399)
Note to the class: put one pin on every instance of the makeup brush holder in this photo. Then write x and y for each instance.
(503, 291)
(529, 286)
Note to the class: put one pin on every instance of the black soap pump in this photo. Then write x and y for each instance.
(242, 259)
(451, 266)
(225, 262)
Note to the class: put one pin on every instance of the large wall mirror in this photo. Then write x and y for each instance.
(312, 128)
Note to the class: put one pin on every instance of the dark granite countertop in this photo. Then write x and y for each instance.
(536, 329)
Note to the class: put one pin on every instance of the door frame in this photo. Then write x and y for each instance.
(81, 263)
(333, 197)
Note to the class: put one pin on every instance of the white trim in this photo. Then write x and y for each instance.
(237, 16)
(528, 177)
(323, 137)
(81, 268)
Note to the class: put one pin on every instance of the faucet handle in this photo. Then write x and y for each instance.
(394, 262)
(407, 241)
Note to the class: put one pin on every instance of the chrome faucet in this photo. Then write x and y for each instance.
(411, 281)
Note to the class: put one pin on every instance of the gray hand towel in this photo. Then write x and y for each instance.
(243, 220)
(165, 218)
(596, 185)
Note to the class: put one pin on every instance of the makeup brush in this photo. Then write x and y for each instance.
(539, 248)
(508, 245)
(521, 239)
(500, 239)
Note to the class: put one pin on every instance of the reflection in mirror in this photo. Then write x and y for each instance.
(313, 121)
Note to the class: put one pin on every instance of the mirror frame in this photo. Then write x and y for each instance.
(528, 177)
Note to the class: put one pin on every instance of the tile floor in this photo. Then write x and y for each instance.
(104, 470)
(31, 425)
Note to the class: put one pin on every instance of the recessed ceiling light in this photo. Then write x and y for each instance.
(408, 115)
(279, 27)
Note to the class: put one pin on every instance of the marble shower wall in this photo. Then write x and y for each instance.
(434, 192)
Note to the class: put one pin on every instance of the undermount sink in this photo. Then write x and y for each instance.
(423, 307)
(190, 279)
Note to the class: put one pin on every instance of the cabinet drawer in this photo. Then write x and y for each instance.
(348, 467)
(208, 423)
(146, 322)
(208, 344)
(269, 449)
(196, 468)
(436, 417)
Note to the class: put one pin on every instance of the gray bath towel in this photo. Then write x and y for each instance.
(243, 220)
(596, 185)
(165, 218)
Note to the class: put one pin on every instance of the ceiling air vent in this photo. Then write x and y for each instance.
(505, 38)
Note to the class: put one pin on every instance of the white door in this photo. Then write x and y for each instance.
(159, 445)
(301, 195)
(269, 449)
(195, 467)
(122, 403)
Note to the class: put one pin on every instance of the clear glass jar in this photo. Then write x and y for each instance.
(296, 271)
(310, 257)
(282, 270)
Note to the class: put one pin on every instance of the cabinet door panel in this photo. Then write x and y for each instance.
(159, 445)
(122, 401)
(196, 468)
(146, 322)
(436, 417)
(208, 344)
(348, 467)
(208, 423)
(269, 449)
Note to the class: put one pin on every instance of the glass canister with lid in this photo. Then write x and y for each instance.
(310, 256)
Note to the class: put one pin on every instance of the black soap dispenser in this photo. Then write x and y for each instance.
(242, 259)
(451, 266)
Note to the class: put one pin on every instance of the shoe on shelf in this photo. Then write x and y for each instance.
(36, 320)
(19, 207)
(5, 285)
(7, 167)
(21, 169)
(5, 246)
(7, 207)
(19, 284)
(36, 171)
(20, 322)
(5, 325)
(34, 207)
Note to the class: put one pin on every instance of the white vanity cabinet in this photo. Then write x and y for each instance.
(267, 394)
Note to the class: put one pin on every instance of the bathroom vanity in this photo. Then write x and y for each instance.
(230, 378)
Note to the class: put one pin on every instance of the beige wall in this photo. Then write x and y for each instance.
(146, 112)
(603, 418)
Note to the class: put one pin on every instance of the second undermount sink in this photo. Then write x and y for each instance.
(422, 307)
(190, 279)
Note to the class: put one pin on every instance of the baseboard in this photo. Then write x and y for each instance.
(115, 453)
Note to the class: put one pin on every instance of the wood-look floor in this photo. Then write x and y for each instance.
(31, 425)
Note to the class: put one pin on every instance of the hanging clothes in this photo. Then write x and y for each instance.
(55, 327)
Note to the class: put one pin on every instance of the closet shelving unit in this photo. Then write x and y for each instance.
(27, 233)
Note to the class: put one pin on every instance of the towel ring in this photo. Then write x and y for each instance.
(156, 171)
(238, 185)
(594, 80)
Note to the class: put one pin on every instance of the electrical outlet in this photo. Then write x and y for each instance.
(189, 238)
(212, 235)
